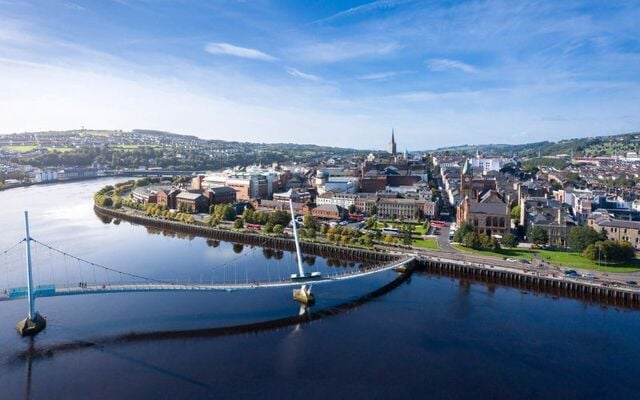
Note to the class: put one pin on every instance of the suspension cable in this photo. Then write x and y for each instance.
(3, 252)
(100, 265)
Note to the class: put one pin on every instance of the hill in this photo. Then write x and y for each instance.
(590, 146)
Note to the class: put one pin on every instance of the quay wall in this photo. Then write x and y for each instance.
(592, 291)
(252, 239)
(440, 264)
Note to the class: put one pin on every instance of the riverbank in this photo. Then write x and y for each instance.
(458, 263)
(74, 180)
(565, 259)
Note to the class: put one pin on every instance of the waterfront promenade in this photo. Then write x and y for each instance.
(601, 287)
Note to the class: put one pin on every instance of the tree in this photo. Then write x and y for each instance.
(310, 233)
(352, 208)
(238, 224)
(515, 212)
(280, 217)
(417, 215)
(228, 212)
(509, 240)
(489, 243)
(374, 210)
(581, 237)
(462, 231)
(537, 235)
(610, 250)
(472, 239)
(371, 222)
(268, 227)
(278, 229)
(310, 221)
(406, 234)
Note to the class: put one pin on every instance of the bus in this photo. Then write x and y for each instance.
(356, 217)
(389, 231)
(438, 224)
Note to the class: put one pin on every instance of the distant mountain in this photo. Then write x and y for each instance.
(590, 146)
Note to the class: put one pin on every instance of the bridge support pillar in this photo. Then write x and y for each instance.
(304, 295)
(34, 322)
(31, 326)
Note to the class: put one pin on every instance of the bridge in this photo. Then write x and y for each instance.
(85, 280)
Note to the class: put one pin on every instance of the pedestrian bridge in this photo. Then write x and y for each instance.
(163, 286)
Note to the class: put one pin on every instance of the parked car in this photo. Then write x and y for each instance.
(632, 283)
(571, 272)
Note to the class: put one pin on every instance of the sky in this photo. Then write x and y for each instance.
(341, 73)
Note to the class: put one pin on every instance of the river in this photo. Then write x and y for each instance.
(432, 336)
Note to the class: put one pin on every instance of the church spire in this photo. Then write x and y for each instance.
(392, 144)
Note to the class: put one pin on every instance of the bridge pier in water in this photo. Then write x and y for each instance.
(34, 322)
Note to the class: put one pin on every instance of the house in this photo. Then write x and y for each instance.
(549, 214)
(167, 197)
(328, 211)
(192, 202)
(221, 195)
(616, 229)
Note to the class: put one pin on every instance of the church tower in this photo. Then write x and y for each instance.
(392, 144)
(465, 180)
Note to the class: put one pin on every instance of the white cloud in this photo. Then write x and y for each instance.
(329, 52)
(378, 76)
(364, 8)
(299, 74)
(444, 64)
(237, 51)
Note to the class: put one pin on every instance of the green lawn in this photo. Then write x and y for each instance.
(418, 229)
(27, 148)
(570, 260)
(426, 244)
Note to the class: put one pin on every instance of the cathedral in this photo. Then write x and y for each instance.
(481, 204)
(392, 144)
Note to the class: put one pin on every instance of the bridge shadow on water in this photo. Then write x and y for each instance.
(307, 315)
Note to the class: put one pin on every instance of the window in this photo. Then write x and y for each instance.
(488, 221)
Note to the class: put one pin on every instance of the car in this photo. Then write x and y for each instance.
(512, 260)
(588, 276)
(632, 283)
(571, 272)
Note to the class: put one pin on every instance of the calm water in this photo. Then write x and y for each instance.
(430, 337)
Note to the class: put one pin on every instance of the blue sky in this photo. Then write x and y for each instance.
(329, 72)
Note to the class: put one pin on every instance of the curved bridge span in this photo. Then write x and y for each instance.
(52, 291)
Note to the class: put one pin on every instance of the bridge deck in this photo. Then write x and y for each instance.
(172, 287)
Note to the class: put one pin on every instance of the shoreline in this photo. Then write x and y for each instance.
(439, 262)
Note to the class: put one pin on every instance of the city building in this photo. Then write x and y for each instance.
(192, 202)
(616, 229)
(481, 205)
(221, 195)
